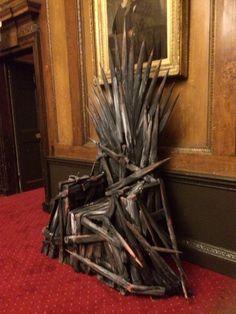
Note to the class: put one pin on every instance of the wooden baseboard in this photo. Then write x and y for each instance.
(215, 258)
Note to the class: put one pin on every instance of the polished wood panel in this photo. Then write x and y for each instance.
(59, 61)
(225, 77)
(200, 136)
(74, 66)
(47, 83)
(188, 127)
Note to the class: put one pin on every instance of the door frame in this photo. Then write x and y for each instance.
(20, 64)
(8, 167)
(27, 36)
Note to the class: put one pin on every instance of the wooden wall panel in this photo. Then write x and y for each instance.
(87, 57)
(60, 70)
(200, 137)
(73, 36)
(48, 78)
(225, 76)
(201, 133)
(189, 125)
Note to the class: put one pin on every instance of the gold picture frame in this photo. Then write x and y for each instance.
(176, 18)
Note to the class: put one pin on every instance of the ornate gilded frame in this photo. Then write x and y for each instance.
(177, 38)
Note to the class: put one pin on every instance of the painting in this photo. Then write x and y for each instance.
(162, 24)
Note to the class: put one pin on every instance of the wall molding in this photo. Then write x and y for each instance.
(207, 147)
(209, 249)
(204, 180)
(69, 162)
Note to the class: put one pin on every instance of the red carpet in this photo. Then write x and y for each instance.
(33, 283)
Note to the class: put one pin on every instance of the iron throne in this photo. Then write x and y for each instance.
(117, 224)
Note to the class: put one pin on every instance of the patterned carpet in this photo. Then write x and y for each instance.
(32, 283)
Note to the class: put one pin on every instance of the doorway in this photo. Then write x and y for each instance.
(24, 124)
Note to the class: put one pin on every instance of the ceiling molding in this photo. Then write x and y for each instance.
(13, 9)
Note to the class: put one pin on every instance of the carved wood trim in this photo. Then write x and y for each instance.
(86, 24)
(82, 68)
(74, 66)
(206, 248)
(27, 29)
(53, 103)
(18, 21)
(14, 8)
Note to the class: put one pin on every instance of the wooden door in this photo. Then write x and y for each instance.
(8, 170)
(26, 126)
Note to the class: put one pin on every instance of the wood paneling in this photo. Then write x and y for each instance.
(188, 127)
(225, 76)
(60, 71)
(200, 136)
(75, 74)
(48, 85)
